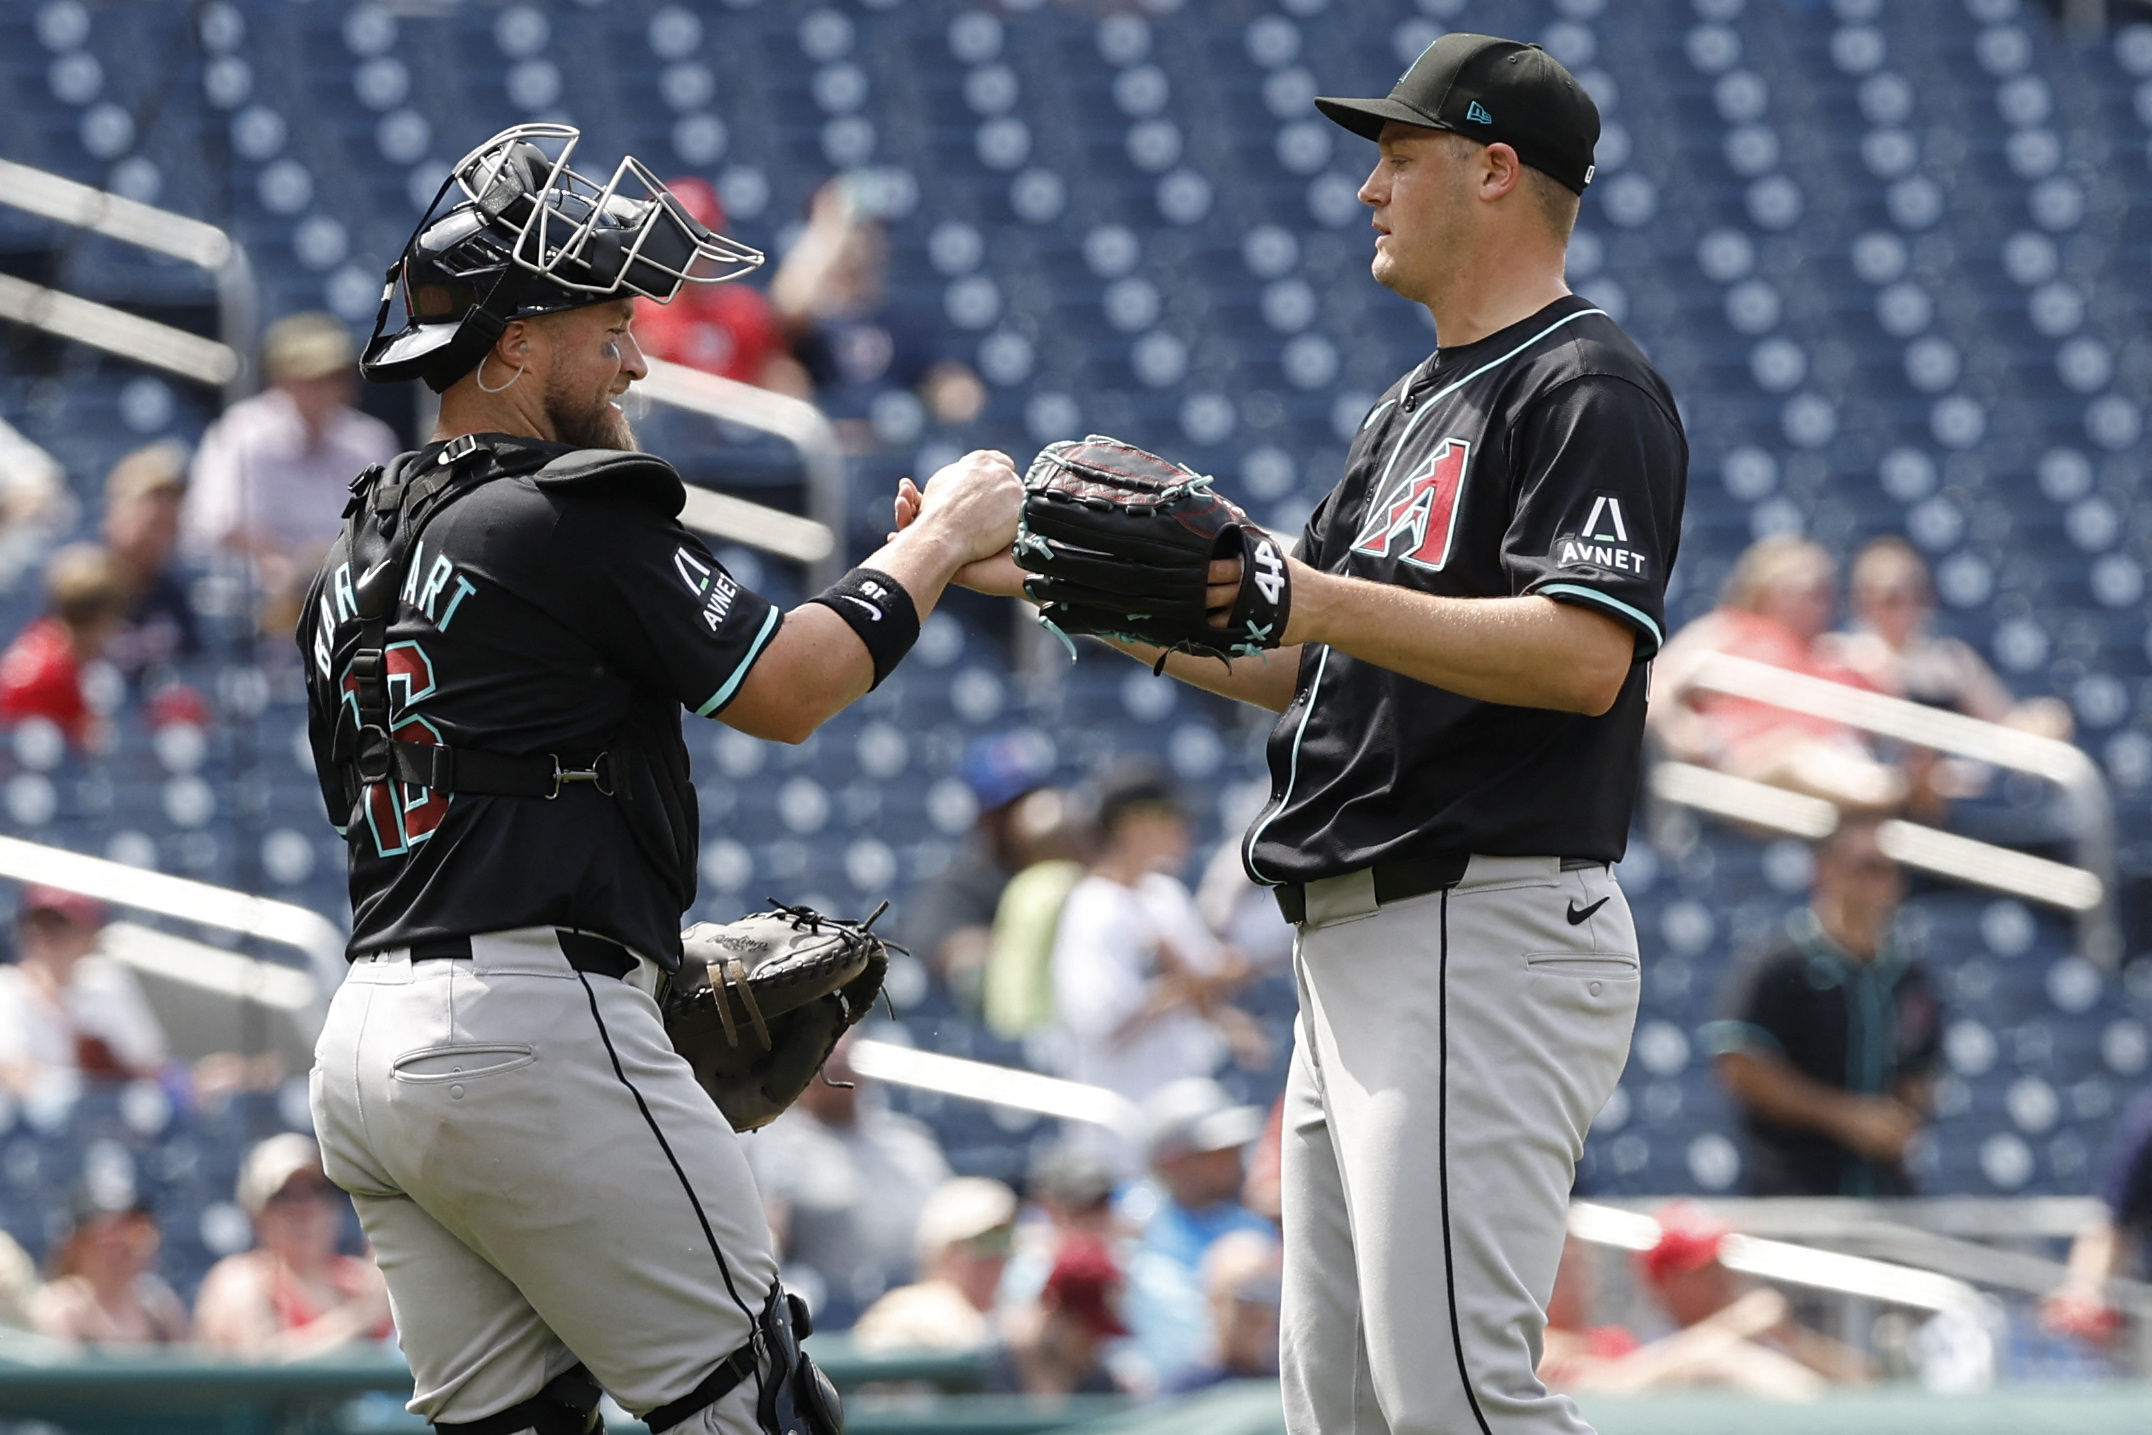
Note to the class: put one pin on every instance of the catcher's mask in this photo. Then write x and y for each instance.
(530, 236)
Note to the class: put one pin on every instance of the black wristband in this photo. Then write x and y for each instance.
(880, 611)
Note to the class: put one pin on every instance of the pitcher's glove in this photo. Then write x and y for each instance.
(758, 1004)
(1119, 543)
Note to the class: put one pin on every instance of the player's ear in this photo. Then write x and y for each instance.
(1500, 171)
(514, 348)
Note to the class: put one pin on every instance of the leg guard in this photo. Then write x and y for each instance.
(568, 1405)
(796, 1397)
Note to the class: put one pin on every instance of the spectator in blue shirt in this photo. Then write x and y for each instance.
(1197, 1138)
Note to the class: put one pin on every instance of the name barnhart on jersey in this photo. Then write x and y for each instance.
(437, 595)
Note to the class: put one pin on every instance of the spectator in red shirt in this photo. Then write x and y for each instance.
(723, 329)
(41, 671)
(1776, 605)
(295, 1294)
(1057, 1345)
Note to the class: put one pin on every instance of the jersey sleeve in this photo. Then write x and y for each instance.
(1601, 468)
(1745, 1020)
(661, 607)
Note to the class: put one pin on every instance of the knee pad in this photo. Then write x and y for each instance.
(568, 1405)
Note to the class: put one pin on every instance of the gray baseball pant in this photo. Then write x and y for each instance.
(1450, 1055)
(542, 1181)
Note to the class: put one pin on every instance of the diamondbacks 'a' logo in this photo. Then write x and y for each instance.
(1417, 521)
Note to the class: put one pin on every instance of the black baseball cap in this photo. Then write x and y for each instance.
(1489, 89)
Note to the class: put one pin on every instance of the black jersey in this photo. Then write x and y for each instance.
(558, 611)
(1859, 1026)
(1546, 458)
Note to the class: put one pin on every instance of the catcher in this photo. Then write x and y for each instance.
(497, 651)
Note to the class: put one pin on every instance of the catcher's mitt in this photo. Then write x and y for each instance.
(1120, 541)
(759, 1003)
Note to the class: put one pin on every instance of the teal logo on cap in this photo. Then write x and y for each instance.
(1477, 113)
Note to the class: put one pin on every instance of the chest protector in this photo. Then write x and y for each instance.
(641, 765)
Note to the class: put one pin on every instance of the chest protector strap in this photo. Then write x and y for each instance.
(388, 510)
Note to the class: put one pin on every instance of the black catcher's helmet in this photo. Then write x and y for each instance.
(531, 236)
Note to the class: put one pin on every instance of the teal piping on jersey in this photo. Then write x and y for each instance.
(1634, 615)
(1292, 772)
(754, 650)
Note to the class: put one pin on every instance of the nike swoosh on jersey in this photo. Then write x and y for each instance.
(1577, 918)
(874, 612)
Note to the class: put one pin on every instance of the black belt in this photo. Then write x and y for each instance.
(1401, 881)
(600, 956)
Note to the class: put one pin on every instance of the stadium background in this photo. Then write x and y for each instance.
(1890, 256)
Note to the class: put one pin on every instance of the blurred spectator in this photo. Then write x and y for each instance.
(966, 1232)
(143, 494)
(1729, 1334)
(42, 672)
(1894, 648)
(1138, 978)
(1776, 606)
(104, 1290)
(724, 329)
(1243, 914)
(35, 504)
(1070, 1186)
(1018, 992)
(274, 472)
(1573, 1352)
(951, 922)
(1057, 1344)
(1241, 1278)
(2113, 1242)
(1197, 1138)
(831, 295)
(844, 1180)
(294, 1294)
(1263, 1191)
(1827, 1038)
(18, 1285)
(68, 1013)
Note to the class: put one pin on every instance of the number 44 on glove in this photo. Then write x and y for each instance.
(1119, 543)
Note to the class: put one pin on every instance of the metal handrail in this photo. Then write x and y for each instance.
(123, 886)
(2061, 763)
(66, 201)
(798, 423)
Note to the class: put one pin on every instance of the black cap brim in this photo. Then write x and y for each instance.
(1366, 118)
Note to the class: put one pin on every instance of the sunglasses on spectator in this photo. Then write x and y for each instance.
(303, 1188)
(998, 1242)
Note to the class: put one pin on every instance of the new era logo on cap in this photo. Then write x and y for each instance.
(1477, 113)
